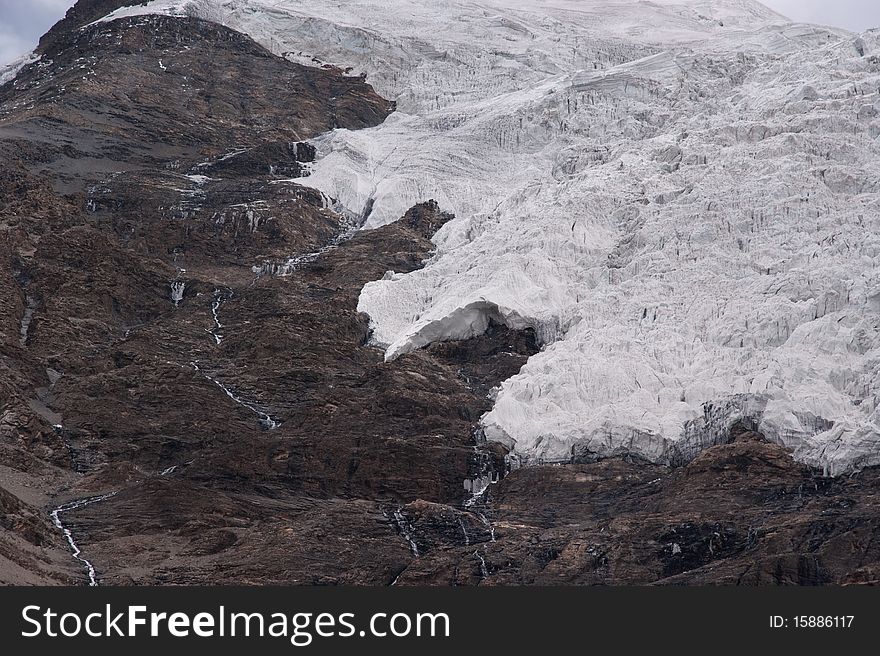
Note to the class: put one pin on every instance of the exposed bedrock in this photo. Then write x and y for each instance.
(743, 513)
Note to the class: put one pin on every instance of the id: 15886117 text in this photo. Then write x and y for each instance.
(812, 622)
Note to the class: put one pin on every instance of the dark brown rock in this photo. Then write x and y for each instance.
(743, 513)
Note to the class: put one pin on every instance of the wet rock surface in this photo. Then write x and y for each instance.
(740, 514)
(249, 428)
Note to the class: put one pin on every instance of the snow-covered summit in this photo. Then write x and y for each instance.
(681, 197)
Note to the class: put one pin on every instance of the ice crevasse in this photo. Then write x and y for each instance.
(682, 198)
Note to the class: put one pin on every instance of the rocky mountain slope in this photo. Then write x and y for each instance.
(650, 256)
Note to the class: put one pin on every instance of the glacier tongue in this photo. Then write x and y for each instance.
(680, 197)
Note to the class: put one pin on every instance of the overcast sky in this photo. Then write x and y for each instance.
(22, 22)
(856, 15)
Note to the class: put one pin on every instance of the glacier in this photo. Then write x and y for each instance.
(680, 197)
(8, 72)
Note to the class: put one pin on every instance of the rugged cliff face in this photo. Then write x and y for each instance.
(189, 394)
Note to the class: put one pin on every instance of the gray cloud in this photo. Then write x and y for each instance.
(856, 15)
(23, 22)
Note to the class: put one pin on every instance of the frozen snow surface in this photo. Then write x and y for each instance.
(9, 71)
(682, 197)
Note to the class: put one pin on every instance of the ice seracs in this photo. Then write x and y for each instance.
(680, 197)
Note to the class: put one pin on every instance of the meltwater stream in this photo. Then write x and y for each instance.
(405, 531)
(68, 535)
(27, 317)
(220, 297)
(88, 501)
(478, 488)
(266, 421)
(282, 268)
(178, 287)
